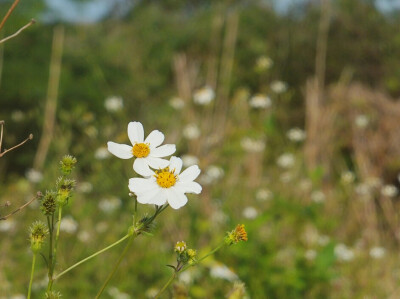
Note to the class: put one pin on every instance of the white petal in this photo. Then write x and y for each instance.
(142, 168)
(156, 163)
(175, 163)
(155, 138)
(147, 197)
(163, 151)
(176, 199)
(140, 185)
(190, 173)
(122, 151)
(189, 187)
(135, 132)
(159, 199)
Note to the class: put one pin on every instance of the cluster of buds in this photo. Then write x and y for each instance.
(64, 190)
(184, 255)
(237, 235)
(48, 203)
(53, 295)
(67, 164)
(37, 235)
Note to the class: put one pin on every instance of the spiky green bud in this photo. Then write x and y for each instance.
(67, 164)
(64, 189)
(37, 234)
(48, 203)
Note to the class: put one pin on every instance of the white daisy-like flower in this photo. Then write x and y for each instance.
(167, 185)
(260, 101)
(114, 103)
(278, 86)
(148, 152)
(204, 96)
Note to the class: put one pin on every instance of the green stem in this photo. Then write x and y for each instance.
(166, 285)
(116, 266)
(52, 265)
(91, 256)
(31, 280)
(50, 262)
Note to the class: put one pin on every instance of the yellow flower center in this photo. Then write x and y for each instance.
(141, 150)
(165, 178)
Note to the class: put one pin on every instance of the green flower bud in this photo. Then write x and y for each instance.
(64, 189)
(52, 295)
(37, 235)
(48, 203)
(67, 164)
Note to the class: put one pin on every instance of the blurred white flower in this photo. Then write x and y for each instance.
(17, 296)
(204, 96)
(389, 191)
(323, 240)
(305, 184)
(343, 253)
(7, 225)
(286, 160)
(318, 196)
(84, 187)
(215, 172)
(109, 205)
(167, 185)
(191, 131)
(347, 177)
(374, 182)
(250, 213)
(264, 63)
(114, 104)
(363, 189)
(377, 252)
(219, 216)
(310, 254)
(102, 153)
(176, 103)
(17, 116)
(222, 271)
(252, 145)
(84, 236)
(286, 177)
(34, 176)
(260, 101)
(278, 86)
(296, 135)
(264, 195)
(186, 277)
(117, 294)
(68, 225)
(152, 292)
(361, 121)
(148, 152)
(189, 160)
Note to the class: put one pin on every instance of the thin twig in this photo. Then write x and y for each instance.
(1, 133)
(8, 13)
(38, 195)
(30, 137)
(18, 32)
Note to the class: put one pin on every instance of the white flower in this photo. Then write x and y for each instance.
(286, 177)
(117, 294)
(84, 187)
(310, 254)
(176, 103)
(377, 252)
(296, 135)
(343, 253)
(34, 176)
(264, 195)
(17, 116)
(361, 121)
(101, 153)
(347, 177)
(389, 191)
(167, 185)
(250, 213)
(204, 96)
(285, 160)
(318, 196)
(189, 160)
(264, 63)
(222, 271)
(191, 131)
(114, 103)
(260, 101)
(148, 152)
(101, 227)
(252, 145)
(68, 225)
(109, 205)
(18, 296)
(7, 225)
(363, 189)
(323, 240)
(84, 236)
(278, 86)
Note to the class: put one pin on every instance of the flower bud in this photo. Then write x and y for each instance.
(48, 203)
(67, 164)
(37, 234)
(53, 295)
(64, 189)
(237, 235)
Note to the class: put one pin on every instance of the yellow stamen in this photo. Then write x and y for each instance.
(165, 178)
(141, 150)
